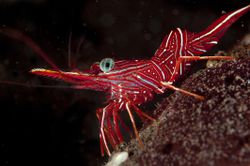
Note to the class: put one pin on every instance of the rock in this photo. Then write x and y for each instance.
(215, 131)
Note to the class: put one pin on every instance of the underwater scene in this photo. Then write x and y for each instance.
(115, 82)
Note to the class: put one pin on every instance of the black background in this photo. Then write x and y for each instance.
(42, 126)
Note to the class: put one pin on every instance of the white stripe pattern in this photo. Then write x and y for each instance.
(124, 70)
(149, 83)
(221, 24)
(181, 47)
(162, 73)
(170, 34)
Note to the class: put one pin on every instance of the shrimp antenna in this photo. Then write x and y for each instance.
(29, 42)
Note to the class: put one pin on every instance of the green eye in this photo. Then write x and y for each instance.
(107, 64)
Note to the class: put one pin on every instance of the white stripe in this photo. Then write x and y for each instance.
(162, 73)
(59, 72)
(169, 69)
(121, 105)
(181, 35)
(156, 51)
(164, 50)
(123, 70)
(219, 25)
(180, 51)
(77, 73)
(177, 44)
(102, 131)
(199, 49)
(167, 58)
(150, 78)
(148, 82)
(166, 45)
(212, 42)
(137, 82)
(190, 52)
(38, 69)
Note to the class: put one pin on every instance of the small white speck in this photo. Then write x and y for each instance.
(171, 62)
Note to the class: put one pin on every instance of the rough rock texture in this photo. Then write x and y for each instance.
(215, 131)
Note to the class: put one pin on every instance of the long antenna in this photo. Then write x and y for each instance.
(29, 42)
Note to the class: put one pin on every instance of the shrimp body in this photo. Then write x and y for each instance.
(130, 83)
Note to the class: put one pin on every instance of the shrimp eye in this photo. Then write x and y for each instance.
(107, 64)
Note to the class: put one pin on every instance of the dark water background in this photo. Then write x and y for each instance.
(42, 126)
